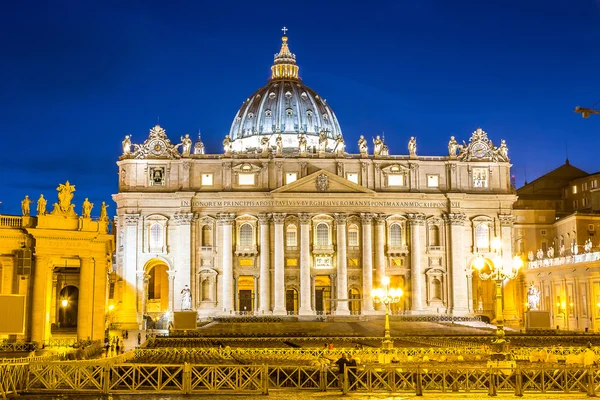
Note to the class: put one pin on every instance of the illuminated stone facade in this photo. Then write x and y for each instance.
(271, 226)
(61, 262)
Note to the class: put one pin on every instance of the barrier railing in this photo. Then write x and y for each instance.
(12, 379)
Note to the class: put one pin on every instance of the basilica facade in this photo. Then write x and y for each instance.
(282, 220)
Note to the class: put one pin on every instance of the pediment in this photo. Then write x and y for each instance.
(323, 182)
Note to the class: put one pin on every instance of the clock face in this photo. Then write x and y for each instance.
(157, 147)
(479, 150)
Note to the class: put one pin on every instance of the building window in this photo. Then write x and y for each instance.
(291, 236)
(157, 176)
(322, 234)
(156, 236)
(574, 189)
(434, 235)
(480, 177)
(594, 184)
(246, 235)
(433, 181)
(353, 236)
(575, 204)
(545, 246)
(352, 177)
(395, 180)
(207, 236)
(395, 235)
(207, 179)
(482, 236)
(290, 177)
(584, 186)
(246, 179)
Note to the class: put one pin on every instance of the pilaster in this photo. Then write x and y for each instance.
(128, 313)
(379, 248)
(279, 275)
(305, 281)
(459, 293)
(342, 269)
(417, 223)
(86, 299)
(367, 261)
(226, 222)
(183, 256)
(265, 259)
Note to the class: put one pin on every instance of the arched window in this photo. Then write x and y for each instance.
(434, 235)
(322, 234)
(482, 236)
(246, 235)
(395, 235)
(436, 289)
(207, 236)
(291, 236)
(156, 236)
(353, 236)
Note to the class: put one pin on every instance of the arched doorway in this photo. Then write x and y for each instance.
(323, 294)
(68, 305)
(484, 293)
(246, 294)
(157, 291)
(291, 301)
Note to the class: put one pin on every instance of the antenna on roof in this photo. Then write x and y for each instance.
(567, 151)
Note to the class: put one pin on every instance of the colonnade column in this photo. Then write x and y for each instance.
(279, 275)
(305, 281)
(458, 284)
(100, 271)
(417, 223)
(367, 261)
(128, 312)
(379, 248)
(182, 262)
(40, 307)
(342, 270)
(511, 315)
(85, 299)
(265, 259)
(226, 221)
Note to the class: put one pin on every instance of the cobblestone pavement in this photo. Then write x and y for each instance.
(299, 395)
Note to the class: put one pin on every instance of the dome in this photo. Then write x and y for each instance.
(284, 106)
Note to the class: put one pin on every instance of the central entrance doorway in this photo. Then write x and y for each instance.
(246, 293)
(323, 294)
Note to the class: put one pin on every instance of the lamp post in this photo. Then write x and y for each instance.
(498, 272)
(387, 296)
(64, 304)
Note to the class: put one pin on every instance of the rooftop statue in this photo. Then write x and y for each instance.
(412, 147)
(452, 147)
(302, 144)
(362, 146)
(279, 142)
(377, 145)
(25, 206)
(227, 145)
(126, 145)
(322, 142)
(502, 151)
(41, 205)
(65, 195)
(103, 212)
(86, 208)
(340, 145)
(264, 144)
(186, 143)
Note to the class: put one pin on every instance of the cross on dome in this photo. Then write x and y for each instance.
(284, 29)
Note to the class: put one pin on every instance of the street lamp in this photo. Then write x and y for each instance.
(387, 296)
(498, 272)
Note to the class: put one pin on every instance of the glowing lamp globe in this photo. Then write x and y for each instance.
(64, 303)
(479, 263)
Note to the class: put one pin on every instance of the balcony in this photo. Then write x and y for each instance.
(246, 251)
(397, 250)
(565, 260)
(327, 249)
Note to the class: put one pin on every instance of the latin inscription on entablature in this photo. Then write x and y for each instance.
(60, 243)
(318, 203)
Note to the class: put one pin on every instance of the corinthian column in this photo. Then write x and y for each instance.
(279, 284)
(85, 300)
(342, 269)
(379, 248)
(459, 293)
(417, 223)
(367, 261)
(40, 305)
(305, 286)
(226, 222)
(265, 255)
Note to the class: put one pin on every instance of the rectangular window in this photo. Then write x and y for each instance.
(543, 232)
(290, 177)
(575, 204)
(594, 184)
(207, 179)
(395, 180)
(353, 238)
(246, 179)
(584, 186)
(480, 177)
(352, 177)
(433, 181)
(574, 188)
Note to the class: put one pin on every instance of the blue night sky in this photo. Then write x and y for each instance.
(77, 76)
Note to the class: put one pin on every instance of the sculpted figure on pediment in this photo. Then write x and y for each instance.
(126, 145)
(302, 144)
(25, 206)
(186, 144)
(41, 205)
(362, 146)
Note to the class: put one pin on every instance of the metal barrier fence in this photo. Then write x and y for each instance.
(12, 379)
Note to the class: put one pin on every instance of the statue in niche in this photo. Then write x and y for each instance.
(41, 205)
(25, 206)
(412, 147)
(377, 145)
(533, 298)
(322, 142)
(362, 146)
(186, 144)
(264, 144)
(302, 144)
(452, 147)
(103, 212)
(279, 143)
(340, 145)
(86, 208)
(227, 145)
(186, 299)
(126, 145)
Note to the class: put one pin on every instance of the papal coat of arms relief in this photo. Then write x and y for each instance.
(322, 183)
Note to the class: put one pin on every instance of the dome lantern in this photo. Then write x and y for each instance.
(284, 66)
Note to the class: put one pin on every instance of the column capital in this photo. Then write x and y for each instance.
(225, 218)
(304, 218)
(416, 219)
(366, 218)
(455, 218)
(340, 218)
(380, 219)
(264, 218)
(279, 218)
(183, 218)
(506, 219)
(131, 219)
